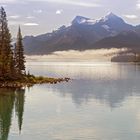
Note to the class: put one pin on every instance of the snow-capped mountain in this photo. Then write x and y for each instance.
(114, 23)
(82, 34)
(109, 22)
(83, 20)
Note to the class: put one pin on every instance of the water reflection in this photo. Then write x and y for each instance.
(108, 91)
(109, 83)
(10, 99)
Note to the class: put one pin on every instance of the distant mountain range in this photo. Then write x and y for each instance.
(110, 31)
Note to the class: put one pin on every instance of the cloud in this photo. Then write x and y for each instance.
(4, 5)
(58, 12)
(104, 54)
(69, 2)
(138, 4)
(131, 16)
(15, 23)
(8, 1)
(14, 17)
(72, 2)
(30, 17)
(30, 24)
(38, 11)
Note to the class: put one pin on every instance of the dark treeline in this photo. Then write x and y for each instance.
(12, 60)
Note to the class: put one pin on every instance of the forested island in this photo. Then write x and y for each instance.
(12, 60)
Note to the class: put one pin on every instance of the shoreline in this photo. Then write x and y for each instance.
(31, 81)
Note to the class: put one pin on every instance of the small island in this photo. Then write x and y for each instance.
(12, 61)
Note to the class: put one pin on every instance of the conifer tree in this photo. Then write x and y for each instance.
(19, 55)
(6, 59)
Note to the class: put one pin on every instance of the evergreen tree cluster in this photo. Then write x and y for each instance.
(12, 60)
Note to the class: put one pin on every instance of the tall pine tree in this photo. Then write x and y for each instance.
(6, 57)
(19, 55)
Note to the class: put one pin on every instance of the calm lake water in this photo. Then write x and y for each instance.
(101, 102)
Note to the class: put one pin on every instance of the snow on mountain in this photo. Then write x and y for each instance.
(83, 20)
(106, 27)
(110, 17)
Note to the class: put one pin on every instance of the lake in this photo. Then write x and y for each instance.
(101, 102)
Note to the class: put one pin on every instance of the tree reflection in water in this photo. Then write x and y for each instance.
(10, 99)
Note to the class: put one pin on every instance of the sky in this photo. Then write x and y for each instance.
(41, 16)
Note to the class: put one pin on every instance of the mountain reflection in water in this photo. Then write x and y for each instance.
(110, 83)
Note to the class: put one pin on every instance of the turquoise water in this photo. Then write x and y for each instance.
(101, 102)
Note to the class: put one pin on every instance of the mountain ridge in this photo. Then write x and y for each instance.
(83, 33)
